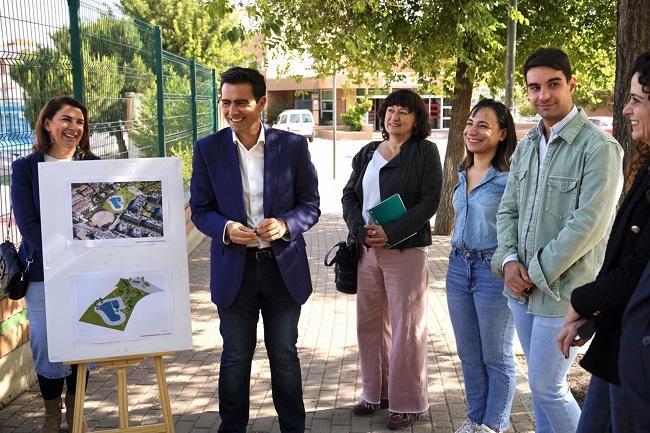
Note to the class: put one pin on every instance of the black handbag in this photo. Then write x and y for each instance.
(345, 261)
(14, 276)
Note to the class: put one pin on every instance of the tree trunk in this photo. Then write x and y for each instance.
(632, 39)
(462, 100)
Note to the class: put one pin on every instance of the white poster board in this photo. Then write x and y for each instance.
(114, 258)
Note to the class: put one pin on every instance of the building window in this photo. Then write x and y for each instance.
(434, 112)
(326, 107)
(302, 100)
(446, 113)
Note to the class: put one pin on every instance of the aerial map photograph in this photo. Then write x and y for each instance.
(116, 210)
(115, 309)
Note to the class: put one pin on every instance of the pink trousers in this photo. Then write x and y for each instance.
(392, 328)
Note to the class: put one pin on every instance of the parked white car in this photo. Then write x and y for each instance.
(297, 121)
(606, 123)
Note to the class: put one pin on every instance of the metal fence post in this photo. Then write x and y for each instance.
(215, 105)
(75, 51)
(195, 135)
(160, 87)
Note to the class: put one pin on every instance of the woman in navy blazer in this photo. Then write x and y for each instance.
(61, 134)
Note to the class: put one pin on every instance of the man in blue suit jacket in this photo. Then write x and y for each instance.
(254, 191)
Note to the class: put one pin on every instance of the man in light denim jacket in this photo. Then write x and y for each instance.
(552, 226)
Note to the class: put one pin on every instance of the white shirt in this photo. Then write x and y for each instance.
(371, 192)
(251, 168)
(49, 158)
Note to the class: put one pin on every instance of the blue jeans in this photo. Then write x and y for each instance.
(262, 290)
(556, 411)
(605, 410)
(35, 301)
(484, 330)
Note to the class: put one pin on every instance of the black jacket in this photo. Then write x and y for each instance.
(626, 256)
(416, 174)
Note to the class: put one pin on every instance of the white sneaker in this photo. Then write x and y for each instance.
(468, 427)
(484, 429)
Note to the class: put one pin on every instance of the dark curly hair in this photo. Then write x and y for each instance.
(641, 67)
(505, 148)
(43, 142)
(414, 104)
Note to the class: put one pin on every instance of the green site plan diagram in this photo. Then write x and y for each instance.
(115, 309)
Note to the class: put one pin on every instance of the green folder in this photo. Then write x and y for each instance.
(387, 211)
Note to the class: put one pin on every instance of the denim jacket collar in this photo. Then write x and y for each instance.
(568, 133)
(489, 175)
(571, 130)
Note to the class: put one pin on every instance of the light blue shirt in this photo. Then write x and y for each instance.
(555, 131)
(476, 213)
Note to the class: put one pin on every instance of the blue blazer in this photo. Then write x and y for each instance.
(290, 193)
(25, 201)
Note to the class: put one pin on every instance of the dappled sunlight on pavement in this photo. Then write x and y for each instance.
(327, 350)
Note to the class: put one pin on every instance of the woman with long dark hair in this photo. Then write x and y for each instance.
(482, 322)
(61, 135)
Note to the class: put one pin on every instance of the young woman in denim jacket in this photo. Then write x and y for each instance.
(480, 317)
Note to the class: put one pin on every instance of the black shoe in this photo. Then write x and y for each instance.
(364, 408)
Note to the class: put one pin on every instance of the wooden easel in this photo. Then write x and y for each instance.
(120, 364)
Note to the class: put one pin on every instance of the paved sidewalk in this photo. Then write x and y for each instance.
(328, 353)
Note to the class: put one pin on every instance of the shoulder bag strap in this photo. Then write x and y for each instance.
(30, 258)
(327, 261)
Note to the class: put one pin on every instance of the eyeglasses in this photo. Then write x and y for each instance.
(239, 103)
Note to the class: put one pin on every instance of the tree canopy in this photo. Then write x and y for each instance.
(208, 31)
(109, 72)
(369, 36)
(452, 46)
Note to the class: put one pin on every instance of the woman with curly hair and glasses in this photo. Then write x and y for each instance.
(603, 301)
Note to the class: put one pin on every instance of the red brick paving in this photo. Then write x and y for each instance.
(328, 353)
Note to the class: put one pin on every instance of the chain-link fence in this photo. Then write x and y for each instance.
(142, 101)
